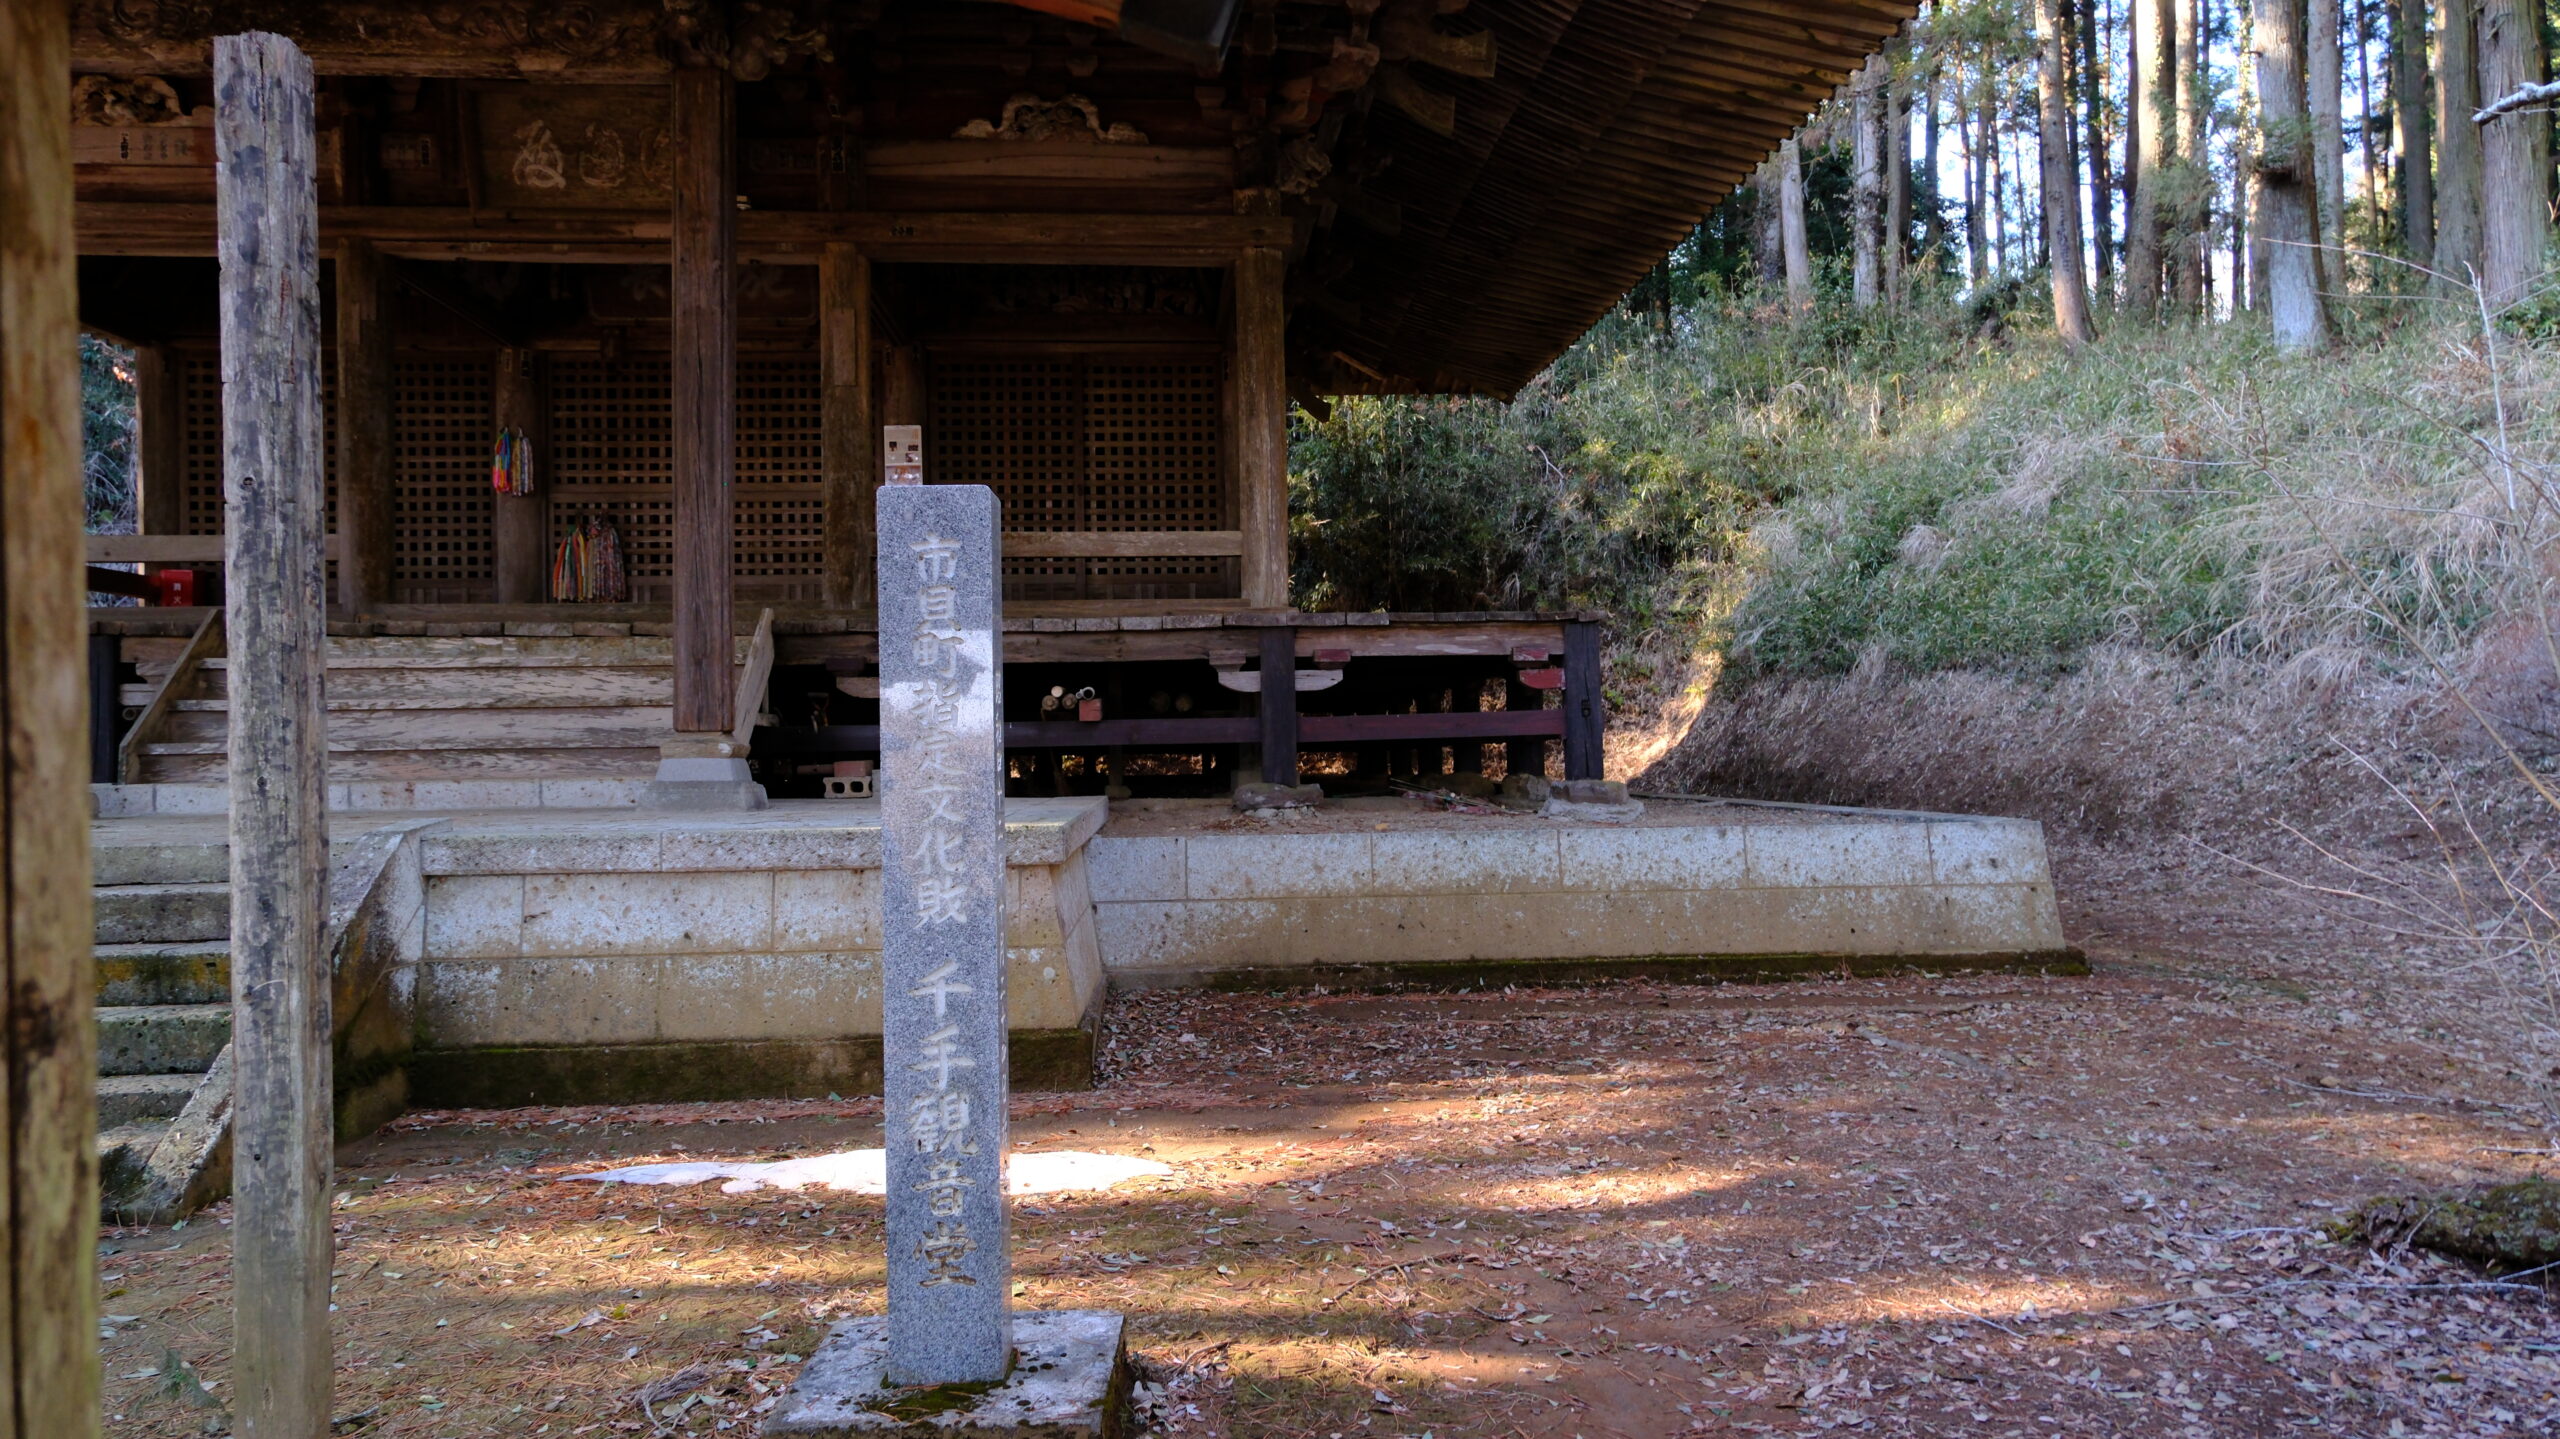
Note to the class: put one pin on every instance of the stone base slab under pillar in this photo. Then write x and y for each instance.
(702, 783)
(1070, 1381)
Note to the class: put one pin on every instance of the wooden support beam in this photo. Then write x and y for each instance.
(274, 513)
(520, 529)
(783, 237)
(849, 433)
(1260, 404)
(1278, 706)
(160, 441)
(364, 427)
(48, 1047)
(705, 333)
(106, 698)
(1586, 713)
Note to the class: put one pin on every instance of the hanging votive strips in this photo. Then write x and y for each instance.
(511, 464)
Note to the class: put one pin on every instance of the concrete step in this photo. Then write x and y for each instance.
(123, 1151)
(126, 1098)
(160, 863)
(196, 972)
(161, 1038)
(162, 913)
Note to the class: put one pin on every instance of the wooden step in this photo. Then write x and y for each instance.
(541, 687)
(455, 651)
(205, 764)
(610, 726)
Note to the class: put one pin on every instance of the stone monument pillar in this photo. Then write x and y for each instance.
(942, 928)
(950, 1359)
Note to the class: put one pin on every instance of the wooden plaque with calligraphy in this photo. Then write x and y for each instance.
(573, 147)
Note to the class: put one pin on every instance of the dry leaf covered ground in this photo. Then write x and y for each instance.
(1989, 1206)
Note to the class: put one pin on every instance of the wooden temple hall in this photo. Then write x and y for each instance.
(632, 304)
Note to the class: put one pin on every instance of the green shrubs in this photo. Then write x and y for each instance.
(1942, 486)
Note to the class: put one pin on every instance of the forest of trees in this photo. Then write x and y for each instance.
(2165, 158)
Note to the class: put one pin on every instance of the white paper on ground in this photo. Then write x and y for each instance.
(864, 1171)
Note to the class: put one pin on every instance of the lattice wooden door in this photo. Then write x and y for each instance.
(1085, 443)
(611, 441)
(200, 472)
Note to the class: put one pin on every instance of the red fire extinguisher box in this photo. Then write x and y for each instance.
(177, 587)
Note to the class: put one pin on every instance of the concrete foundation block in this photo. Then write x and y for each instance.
(1070, 1380)
(704, 796)
(1606, 861)
(475, 916)
(1795, 856)
(1492, 862)
(1277, 865)
(648, 913)
(1988, 851)
(1135, 867)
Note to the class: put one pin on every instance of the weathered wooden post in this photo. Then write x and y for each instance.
(274, 518)
(1261, 410)
(520, 530)
(944, 1061)
(703, 765)
(48, 1048)
(849, 423)
(160, 446)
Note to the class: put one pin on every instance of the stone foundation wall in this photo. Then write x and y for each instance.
(634, 962)
(1787, 896)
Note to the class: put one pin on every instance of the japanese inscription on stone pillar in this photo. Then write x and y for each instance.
(942, 927)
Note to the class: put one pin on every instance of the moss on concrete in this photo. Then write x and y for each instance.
(1671, 968)
(2505, 1227)
(501, 1077)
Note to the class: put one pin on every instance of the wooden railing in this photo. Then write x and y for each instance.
(753, 676)
(207, 644)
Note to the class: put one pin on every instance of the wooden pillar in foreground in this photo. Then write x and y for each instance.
(48, 1115)
(1261, 410)
(702, 278)
(364, 427)
(160, 441)
(267, 224)
(849, 457)
(520, 530)
(1278, 709)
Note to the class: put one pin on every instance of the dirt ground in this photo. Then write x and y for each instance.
(1989, 1205)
